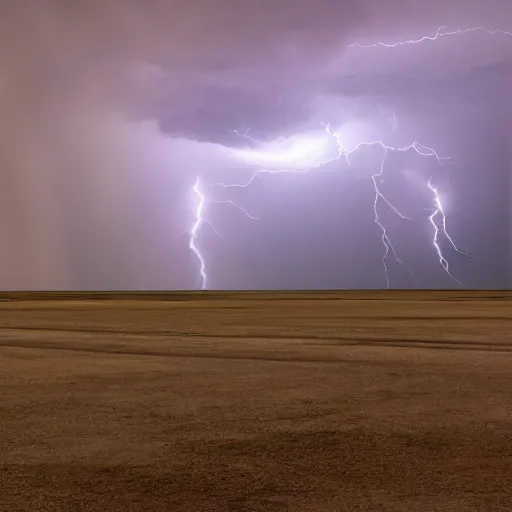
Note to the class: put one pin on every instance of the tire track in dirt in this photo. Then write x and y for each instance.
(316, 339)
(187, 355)
(220, 353)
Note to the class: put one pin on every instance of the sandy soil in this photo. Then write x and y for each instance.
(256, 402)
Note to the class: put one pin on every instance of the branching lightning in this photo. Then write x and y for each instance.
(386, 242)
(199, 215)
(442, 31)
(438, 221)
(309, 153)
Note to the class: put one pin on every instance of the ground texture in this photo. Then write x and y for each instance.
(256, 402)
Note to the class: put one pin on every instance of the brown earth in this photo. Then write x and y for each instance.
(256, 402)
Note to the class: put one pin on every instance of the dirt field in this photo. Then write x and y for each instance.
(256, 402)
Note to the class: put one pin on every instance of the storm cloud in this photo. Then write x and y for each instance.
(112, 108)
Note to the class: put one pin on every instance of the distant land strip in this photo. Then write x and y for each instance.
(377, 295)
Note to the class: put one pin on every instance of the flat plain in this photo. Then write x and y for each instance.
(359, 401)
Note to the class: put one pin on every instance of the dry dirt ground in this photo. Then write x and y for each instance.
(256, 402)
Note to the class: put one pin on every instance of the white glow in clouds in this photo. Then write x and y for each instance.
(303, 151)
(300, 151)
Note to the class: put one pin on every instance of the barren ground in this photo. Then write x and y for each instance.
(256, 402)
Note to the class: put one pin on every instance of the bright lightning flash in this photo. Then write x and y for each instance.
(195, 231)
(199, 212)
(438, 221)
(299, 152)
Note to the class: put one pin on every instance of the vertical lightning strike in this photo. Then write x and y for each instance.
(440, 229)
(195, 231)
(200, 220)
(386, 242)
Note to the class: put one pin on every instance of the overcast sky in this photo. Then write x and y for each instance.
(113, 108)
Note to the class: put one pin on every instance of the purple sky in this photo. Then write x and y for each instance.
(112, 108)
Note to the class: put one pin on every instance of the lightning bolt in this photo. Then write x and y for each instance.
(200, 220)
(438, 221)
(442, 31)
(195, 231)
(386, 242)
